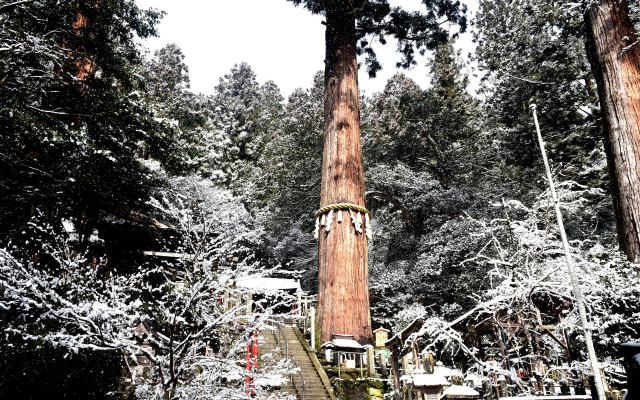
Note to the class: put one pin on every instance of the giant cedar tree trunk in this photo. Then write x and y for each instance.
(616, 66)
(343, 292)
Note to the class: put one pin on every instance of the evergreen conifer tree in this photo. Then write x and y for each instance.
(343, 294)
(73, 119)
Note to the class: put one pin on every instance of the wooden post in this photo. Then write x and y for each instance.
(395, 370)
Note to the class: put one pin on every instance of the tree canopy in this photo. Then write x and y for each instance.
(415, 31)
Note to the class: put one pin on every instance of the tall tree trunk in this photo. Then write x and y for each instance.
(343, 292)
(615, 61)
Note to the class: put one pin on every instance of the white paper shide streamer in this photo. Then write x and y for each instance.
(327, 226)
(316, 232)
(356, 220)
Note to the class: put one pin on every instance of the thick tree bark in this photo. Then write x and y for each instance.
(615, 61)
(343, 292)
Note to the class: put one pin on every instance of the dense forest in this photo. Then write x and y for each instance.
(128, 203)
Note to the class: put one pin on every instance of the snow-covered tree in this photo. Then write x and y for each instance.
(528, 310)
(71, 111)
(244, 119)
(532, 51)
(178, 110)
(181, 318)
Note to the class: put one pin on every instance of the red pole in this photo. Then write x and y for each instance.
(251, 365)
(248, 379)
(255, 350)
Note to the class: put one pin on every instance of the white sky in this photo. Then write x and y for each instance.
(281, 42)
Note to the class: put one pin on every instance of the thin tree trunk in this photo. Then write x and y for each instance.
(615, 61)
(343, 292)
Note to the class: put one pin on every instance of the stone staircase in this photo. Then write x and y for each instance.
(309, 382)
(271, 354)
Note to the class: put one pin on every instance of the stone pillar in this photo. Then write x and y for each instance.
(371, 360)
(382, 361)
(249, 303)
(312, 327)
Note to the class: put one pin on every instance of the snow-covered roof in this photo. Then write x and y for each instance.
(262, 283)
(381, 329)
(460, 390)
(346, 344)
(429, 380)
(343, 341)
(445, 371)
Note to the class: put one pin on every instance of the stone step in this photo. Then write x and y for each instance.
(311, 391)
(312, 388)
(314, 396)
(316, 386)
(311, 385)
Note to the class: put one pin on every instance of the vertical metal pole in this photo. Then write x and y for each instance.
(595, 367)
